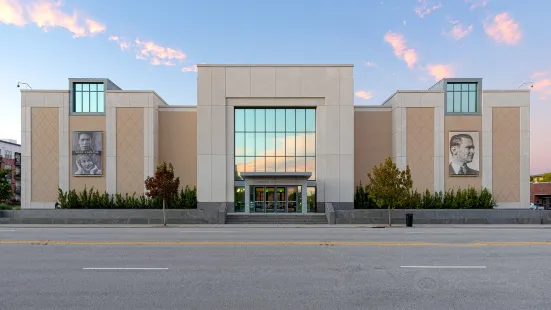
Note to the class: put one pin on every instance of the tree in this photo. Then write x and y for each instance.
(389, 186)
(163, 185)
(5, 186)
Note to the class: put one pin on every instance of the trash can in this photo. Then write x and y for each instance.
(409, 219)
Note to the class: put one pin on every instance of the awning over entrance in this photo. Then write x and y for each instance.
(298, 175)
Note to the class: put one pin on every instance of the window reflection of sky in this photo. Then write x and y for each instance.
(275, 140)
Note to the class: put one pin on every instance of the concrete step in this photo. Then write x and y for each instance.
(282, 218)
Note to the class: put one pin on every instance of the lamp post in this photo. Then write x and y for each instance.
(23, 83)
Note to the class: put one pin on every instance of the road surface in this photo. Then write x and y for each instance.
(274, 268)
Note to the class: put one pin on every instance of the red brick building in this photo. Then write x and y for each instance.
(540, 193)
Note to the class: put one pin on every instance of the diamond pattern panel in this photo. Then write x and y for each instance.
(130, 150)
(506, 154)
(45, 154)
(420, 147)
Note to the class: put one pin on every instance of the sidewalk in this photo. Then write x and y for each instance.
(306, 226)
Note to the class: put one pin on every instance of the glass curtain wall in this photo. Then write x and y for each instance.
(274, 140)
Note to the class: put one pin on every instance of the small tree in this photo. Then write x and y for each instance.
(163, 185)
(5, 187)
(389, 185)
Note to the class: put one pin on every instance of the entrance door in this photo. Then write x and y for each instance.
(292, 199)
(281, 199)
(270, 201)
(259, 200)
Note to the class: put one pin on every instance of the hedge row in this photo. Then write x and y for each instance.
(93, 199)
(468, 198)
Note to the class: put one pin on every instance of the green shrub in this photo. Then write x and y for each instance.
(468, 198)
(362, 199)
(4, 206)
(93, 199)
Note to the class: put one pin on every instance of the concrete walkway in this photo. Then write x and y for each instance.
(394, 226)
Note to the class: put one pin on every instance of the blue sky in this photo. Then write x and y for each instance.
(397, 44)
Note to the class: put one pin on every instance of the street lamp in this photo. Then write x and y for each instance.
(19, 84)
(531, 84)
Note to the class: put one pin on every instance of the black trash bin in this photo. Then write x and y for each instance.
(409, 219)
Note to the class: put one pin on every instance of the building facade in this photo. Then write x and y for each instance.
(274, 138)
(10, 158)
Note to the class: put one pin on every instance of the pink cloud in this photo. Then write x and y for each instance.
(440, 71)
(503, 29)
(401, 51)
(477, 3)
(11, 12)
(459, 31)
(364, 94)
(47, 14)
(542, 84)
(190, 69)
(539, 74)
(543, 88)
(157, 54)
(123, 43)
(426, 7)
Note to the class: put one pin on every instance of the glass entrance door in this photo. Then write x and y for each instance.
(292, 199)
(259, 200)
(270, 201)
(279, 199)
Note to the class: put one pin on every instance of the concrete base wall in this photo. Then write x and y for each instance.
(101, 216)
(375, 216)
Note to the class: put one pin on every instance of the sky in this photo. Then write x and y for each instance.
(393, 44)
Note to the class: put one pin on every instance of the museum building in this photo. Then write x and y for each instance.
(274, 138)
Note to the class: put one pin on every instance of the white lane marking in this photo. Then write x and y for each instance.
(7, 229)
(91, 268)
(206, 231)
(446, 267)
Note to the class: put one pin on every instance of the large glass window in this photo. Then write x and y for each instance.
(461, 98)
(88, 98)
(275, 140)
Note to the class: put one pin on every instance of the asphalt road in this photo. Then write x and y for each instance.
(274, 268)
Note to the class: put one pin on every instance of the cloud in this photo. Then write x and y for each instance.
(11, 12)
(190, 69)
(401, 51)
(157, 54)
(47, 14)
(459, 31)
(426, 7)
(539, 74)
(364, 94)
(123, 43)
(503, 29)
(440, 71)
(370, 64)
(543, 87)
(477, 3)
(542, 84)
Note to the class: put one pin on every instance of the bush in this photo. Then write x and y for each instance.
(93, 199)
(362, 199)
(4, 206)
(468, 198)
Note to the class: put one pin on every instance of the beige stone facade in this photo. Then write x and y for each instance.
(133, 131)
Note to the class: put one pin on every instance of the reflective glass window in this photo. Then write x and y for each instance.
(274, 140)
(88, 98)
